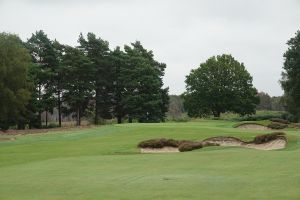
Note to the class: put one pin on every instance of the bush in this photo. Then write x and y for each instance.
(257, 117)
(189, 146)
(279, 120)
(181, 119)
(276, 125)
(290, 117)
(260, 139)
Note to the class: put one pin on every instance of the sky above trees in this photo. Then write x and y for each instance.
(182, 34)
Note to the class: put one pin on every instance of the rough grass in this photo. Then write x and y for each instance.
(104, 163)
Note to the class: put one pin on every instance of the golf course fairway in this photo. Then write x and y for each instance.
(104, 163)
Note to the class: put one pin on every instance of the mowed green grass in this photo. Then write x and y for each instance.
(104, 163)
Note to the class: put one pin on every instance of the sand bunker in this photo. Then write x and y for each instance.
(277, 143)
(160, 150)
(253, 126)
(272, 145)
(6, 139)
(271, 141)
(223, 141)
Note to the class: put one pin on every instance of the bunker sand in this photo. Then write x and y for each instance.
(279, 142)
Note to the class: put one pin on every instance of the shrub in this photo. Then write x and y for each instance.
(290, 117)
(279, 120)
(257, 117)
(181, 119)
(160, 143)
(189, 146)
(260, 139)
(276, 125)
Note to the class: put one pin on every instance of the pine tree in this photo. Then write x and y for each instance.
(144, 97)
(44, 57)
(78, 85)
(118, 64)
(97, 50)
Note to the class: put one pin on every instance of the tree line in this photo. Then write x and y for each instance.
(90, 79)
(93, 80)
(267, 102)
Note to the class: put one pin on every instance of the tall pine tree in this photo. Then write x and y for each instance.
(144, 98)
(78, 86)
(44, 57)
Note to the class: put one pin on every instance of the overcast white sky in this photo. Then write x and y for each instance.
(182, 33)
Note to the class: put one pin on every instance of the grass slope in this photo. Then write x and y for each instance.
(104, 163)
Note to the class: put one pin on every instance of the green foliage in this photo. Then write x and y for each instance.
(78, 72)
(143, 96)
(219, 85)
(14, 88)
(290, 81)
(258, 117)
(88, 80)
(97, 50)
(43, 73)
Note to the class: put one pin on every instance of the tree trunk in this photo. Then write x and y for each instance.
(21, 126)
(129, 119)
(40, 112)
(46, 118)
(216, 114)
(119, 119)
(78, 117)
(59, 108)
(96, 107)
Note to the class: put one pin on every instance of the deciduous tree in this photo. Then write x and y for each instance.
(219, 85)
(291, 75)
(14, 88)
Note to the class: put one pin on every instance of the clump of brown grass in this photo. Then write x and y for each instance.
(276, 125)
(279, 120)
(189, 146)
(160, 143)
(260, 139)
